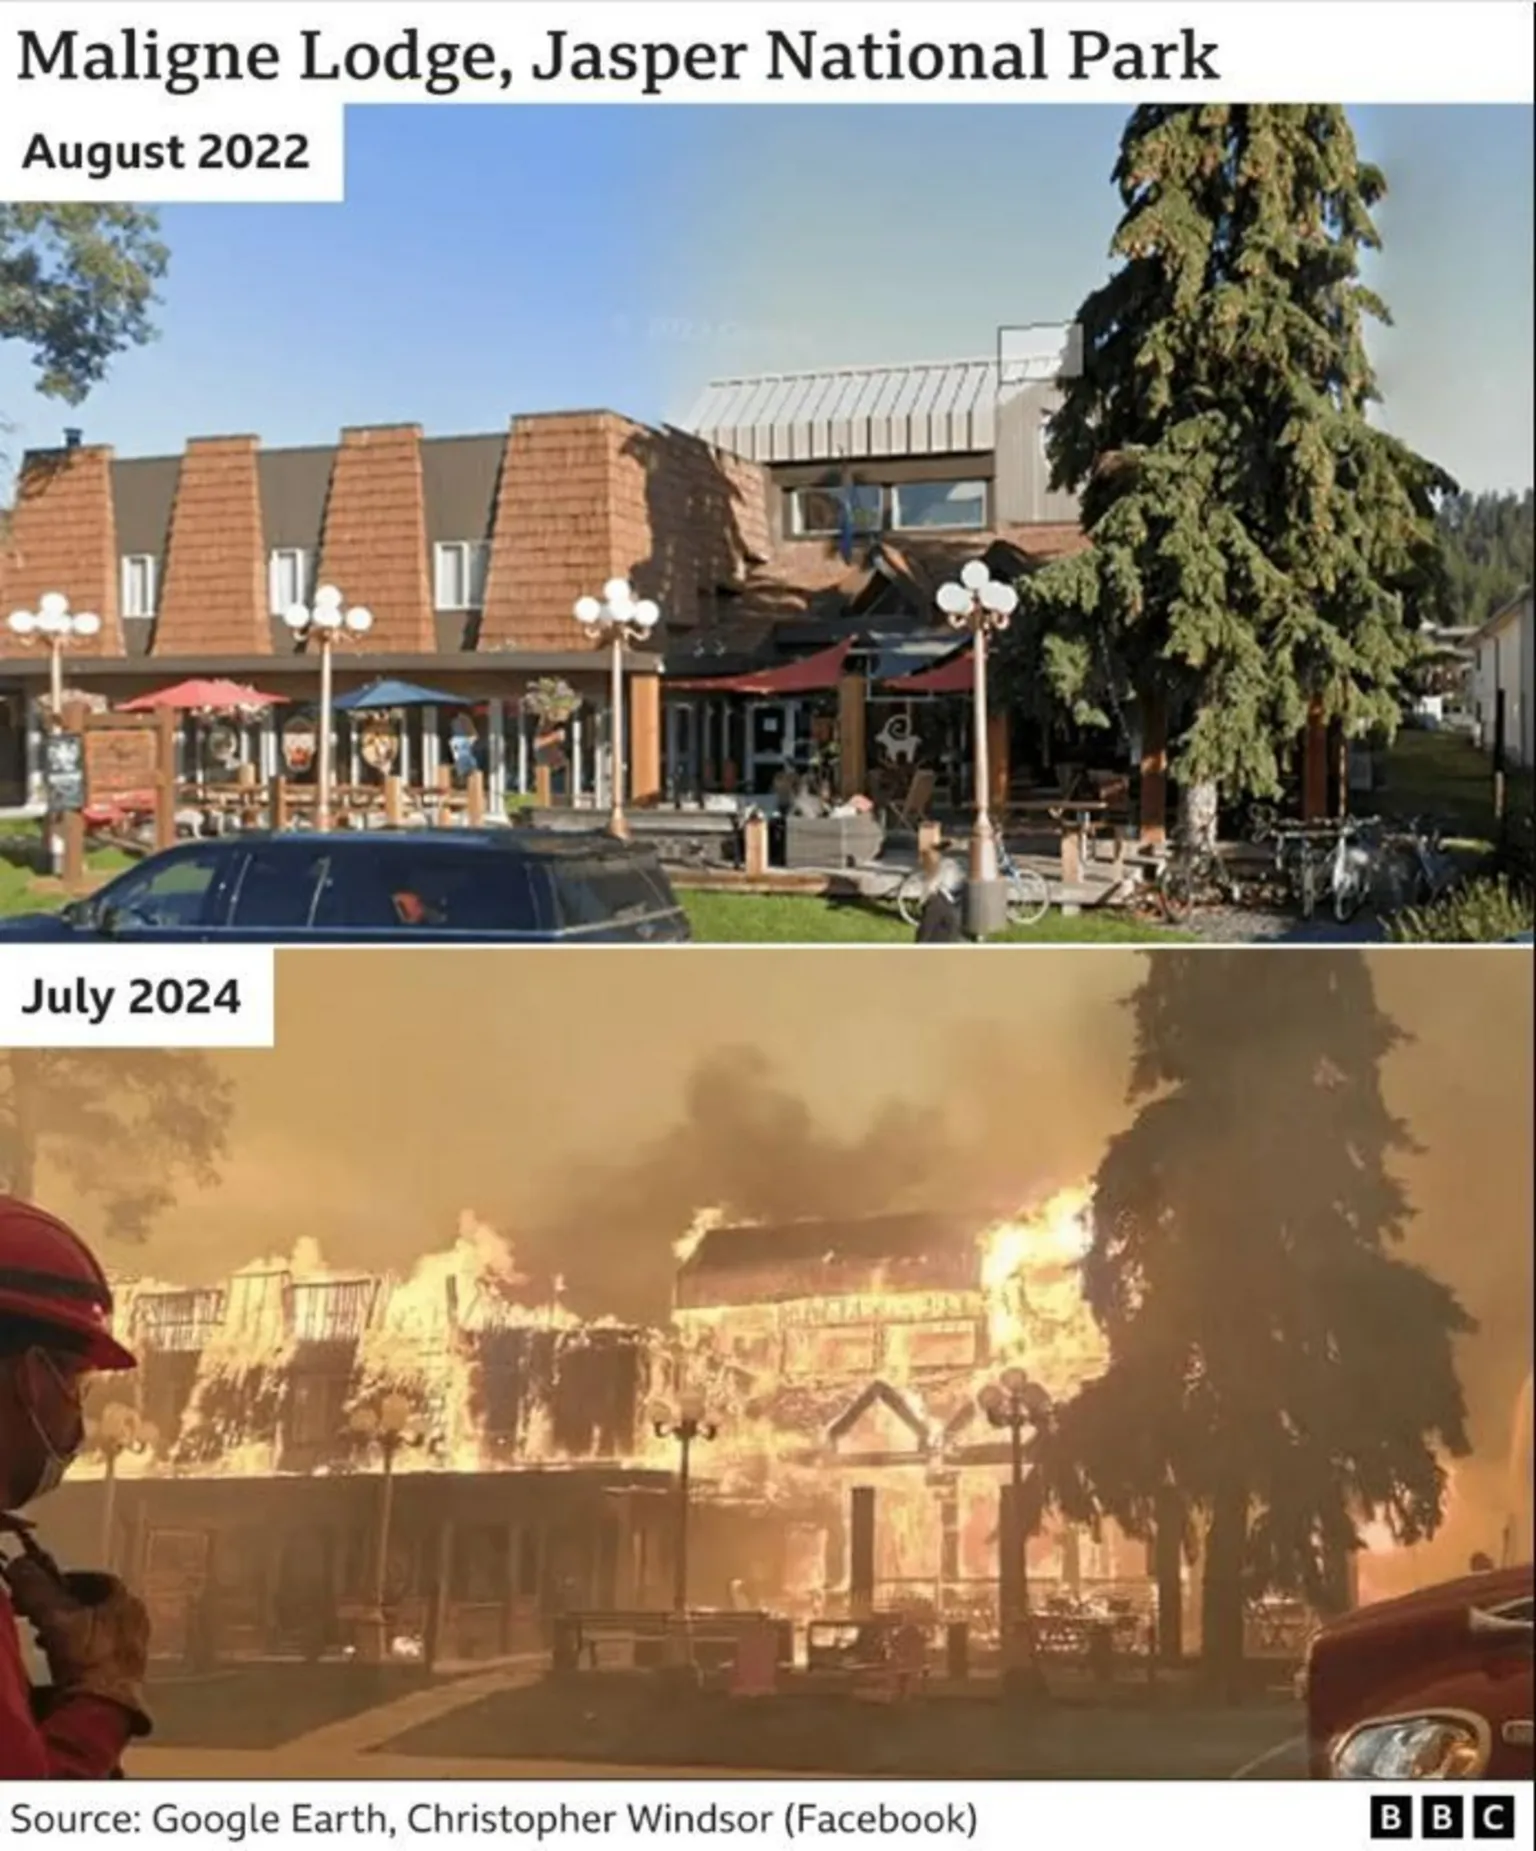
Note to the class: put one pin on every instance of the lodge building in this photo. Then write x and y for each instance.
(292, 1429)
(794, 535)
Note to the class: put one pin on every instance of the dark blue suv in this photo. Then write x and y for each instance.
(461, 886)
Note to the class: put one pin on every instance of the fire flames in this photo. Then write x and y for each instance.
(810, 1389)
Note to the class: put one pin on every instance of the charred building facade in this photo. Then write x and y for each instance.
(298, 1444)
(301, 1448)
(848, 1359)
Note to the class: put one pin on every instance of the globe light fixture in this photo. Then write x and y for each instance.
(616, 618)
(982, 605)
(327, 619)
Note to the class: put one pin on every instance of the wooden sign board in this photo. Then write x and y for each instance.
(64, 772)
(119, 759)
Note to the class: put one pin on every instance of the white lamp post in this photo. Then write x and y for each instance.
(1015, 1405)
(54, 625)
(616, 618)
(687, 1422)
(388, 1426)
(327, 619)
(120, 1429)
(981, 604)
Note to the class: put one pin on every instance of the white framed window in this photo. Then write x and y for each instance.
(290, 575)
(816, 513)
(138, 593)
(458, 574)
(938, 506)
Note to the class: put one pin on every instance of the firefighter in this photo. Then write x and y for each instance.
(55, 1330)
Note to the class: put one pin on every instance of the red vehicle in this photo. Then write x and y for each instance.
(1433, 1686)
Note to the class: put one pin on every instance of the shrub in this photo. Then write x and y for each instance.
(1479, 913)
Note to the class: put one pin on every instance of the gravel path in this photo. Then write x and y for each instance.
(1230, 925)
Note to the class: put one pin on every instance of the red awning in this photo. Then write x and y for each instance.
(810, 675)
(956, 676)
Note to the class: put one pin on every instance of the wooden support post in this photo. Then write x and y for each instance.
(1071, 859)
(852, 735)
(165, 778)
(1314, 773)
(279, 802)
(929, 834)
(1154, 767)
(394, 801)
(72, 822)
(644, 739)
(755, 851)
(1338, 770)
(440, 1598)
(999, 756)
(474, 799)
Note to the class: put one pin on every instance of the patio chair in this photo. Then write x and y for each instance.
(910, 811)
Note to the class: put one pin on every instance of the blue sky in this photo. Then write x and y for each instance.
(489, 261)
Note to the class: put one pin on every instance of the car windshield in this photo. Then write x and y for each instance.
(170, 893)
(608, 890)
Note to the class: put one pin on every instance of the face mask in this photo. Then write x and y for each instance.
(58, 1453)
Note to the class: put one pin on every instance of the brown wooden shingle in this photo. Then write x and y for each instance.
(374, 547)
(63, 537)
(214, 597)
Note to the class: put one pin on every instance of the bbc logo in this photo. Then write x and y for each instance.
(1443, 1815)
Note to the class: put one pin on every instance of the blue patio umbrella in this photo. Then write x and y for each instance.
(382, 696)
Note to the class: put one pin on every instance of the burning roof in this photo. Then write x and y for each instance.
(725, 1264)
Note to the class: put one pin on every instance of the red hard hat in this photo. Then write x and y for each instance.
(50, 1277)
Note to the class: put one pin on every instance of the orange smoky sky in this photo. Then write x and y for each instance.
(588, 1103)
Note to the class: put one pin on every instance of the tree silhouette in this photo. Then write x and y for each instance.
(123, 1128)
(1278, 1375)
(1258, 544)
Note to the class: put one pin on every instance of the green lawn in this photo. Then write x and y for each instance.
(24, 888)
(1445, 776)
(798, 919)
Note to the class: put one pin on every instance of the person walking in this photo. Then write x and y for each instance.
(938, 919)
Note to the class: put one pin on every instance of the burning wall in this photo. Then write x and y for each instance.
(835, 1354)
(825, 1353)
(271, 1371)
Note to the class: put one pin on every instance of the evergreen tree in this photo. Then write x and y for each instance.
(1488, 542)
(1257, 544)
(1277, 1373)
(123, 1128)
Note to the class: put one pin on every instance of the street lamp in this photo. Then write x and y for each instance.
(685, 1423)
(54, 625)
(327, 619)
(618, 617)
(388, 1424)
(980, 604)
(118, 1429)
(1015, 1405)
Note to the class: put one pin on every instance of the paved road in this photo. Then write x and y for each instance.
(424, 1735)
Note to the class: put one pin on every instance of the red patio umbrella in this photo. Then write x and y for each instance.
(211, 696)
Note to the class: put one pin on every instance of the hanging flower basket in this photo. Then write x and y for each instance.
(551, 702)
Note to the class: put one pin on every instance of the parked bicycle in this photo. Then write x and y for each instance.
(1415, 868)
(1195, 874)
(1028, 892)
(1352, 873)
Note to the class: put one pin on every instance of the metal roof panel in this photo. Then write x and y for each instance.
(925, 409)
